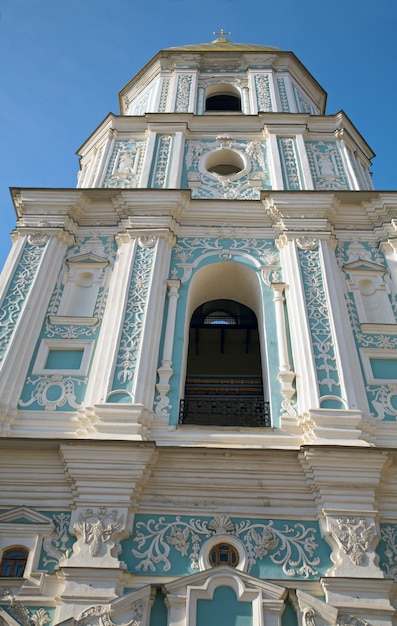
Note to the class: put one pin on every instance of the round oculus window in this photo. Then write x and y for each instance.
(224, 162)
(224, 554)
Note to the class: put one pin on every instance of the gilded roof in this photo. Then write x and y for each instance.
(223, 45)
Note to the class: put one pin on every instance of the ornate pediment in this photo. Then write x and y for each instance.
(24, 515)
(226, 575)
(361, 265)
(87, 257)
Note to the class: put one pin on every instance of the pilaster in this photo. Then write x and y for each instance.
(102, 366)
(306, 379)
(106, 488)
(344, 483)
(25, 305)
(106, 481)
(353, 390)
(360, 601)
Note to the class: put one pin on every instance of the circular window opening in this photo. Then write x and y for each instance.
(224, 554)
(224, 162)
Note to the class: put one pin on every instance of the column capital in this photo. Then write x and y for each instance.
(278, 288)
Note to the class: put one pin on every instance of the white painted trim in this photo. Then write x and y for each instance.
(377, 353)
(302, 350)
(65, 345)
(103, 364)
(204, 560)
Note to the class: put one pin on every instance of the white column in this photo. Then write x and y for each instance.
(285, 376)
(165, 371)
(200, 101)
(107, 153)
(278, 299)
(246, 103)
(276, 175)
(304, 162)
(177, 160)
(148, 158)
(173, 295)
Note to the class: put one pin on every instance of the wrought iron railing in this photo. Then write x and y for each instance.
(221, 411)
(223, 385)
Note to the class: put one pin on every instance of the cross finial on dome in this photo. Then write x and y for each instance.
(222, 34)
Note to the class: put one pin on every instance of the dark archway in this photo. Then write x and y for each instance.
(223, 102)
(224, 382)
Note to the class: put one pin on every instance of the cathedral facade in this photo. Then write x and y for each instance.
(198, 363)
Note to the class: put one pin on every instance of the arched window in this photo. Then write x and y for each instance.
(224, 382)
(222, 97)
(13, 562)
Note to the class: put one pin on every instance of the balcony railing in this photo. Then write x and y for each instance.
(221, 411)
(224, 401)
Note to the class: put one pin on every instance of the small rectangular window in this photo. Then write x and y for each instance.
(385, 369)
(64, 359)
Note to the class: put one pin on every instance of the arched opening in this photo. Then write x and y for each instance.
(222, 97)
(224, 378)
(224, 162)
(13, 562)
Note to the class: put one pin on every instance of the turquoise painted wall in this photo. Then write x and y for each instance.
(280, 549)
(382, 397)
(58, 392)
(224, 608)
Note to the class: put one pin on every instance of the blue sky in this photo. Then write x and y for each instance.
(63, 62)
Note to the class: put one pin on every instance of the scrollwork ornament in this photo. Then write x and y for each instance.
(293, 547)
(351, 620)
(40, 618)
(307, 242)
(221, 525)
(38, 239)
(55, 546)
(147, 241)
(86, 615)
(26, 617)
(354, 536)
(103, 614)
(17, 293)
(389, 536)
(162, 403)
(308, 616)
(53, 392)
(134, 318)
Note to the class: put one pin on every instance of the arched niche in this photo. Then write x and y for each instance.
(222, 97)
(224, 381)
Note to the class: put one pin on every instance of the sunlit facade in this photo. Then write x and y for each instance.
(198, 363)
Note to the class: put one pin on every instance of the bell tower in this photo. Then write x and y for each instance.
(198, 362)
